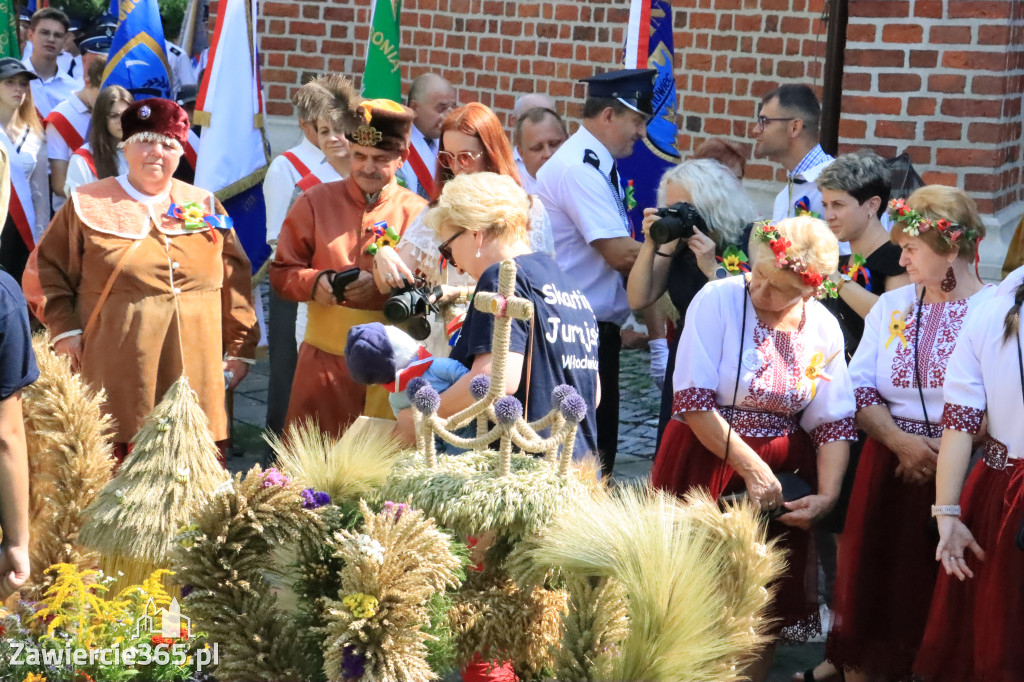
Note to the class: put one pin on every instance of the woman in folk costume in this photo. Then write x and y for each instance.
(976, 622)
(144, 279)
(886, 572)
(22, 135)
(102, 156)
(762, 393)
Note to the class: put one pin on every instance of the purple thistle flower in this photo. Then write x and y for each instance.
(311, 499)
(508, 409)
(574, 408)
(395, 509)
(561, 392)
(274, 477)
(352, 663)
(413, 387)
(322, 499)
(427, 400)
(479, 386)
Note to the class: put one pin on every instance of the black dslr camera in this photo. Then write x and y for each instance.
(410, 305)
(677, 222)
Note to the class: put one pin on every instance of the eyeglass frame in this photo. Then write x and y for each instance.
(445, 248)
(763, 121)
(441, 155)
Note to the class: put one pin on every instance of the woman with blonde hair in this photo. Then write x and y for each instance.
(101, 157)
(481, 220)
(21, 133)
(763, 402)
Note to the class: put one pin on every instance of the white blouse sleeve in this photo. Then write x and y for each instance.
(864, 365)
(829, 415)
(541, 238)
(421, 242)
(78, 174)
(964, 388)
(695, 377)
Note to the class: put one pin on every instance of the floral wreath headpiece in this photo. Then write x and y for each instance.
(785, 259)
(914, 223)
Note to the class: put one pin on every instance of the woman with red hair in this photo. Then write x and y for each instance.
(472, 141)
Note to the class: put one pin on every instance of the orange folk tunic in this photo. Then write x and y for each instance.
(329, 228)
(181, 301)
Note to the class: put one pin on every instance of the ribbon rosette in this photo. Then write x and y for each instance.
(816, 370)
(734, 260)
(194, 217)
(896, 328)
(630, 196)
(857, 270)
(386, 236)
(803, 208)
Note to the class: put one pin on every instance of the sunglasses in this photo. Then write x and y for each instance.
(446, 248)
(447, 159)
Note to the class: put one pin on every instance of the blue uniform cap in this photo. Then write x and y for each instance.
(632, 87)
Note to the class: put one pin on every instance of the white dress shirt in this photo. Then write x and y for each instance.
(48, 93)
(279, 184)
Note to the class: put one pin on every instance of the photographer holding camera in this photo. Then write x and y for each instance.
(322, 259)
(702, 210)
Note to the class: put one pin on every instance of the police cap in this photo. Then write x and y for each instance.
(632, 87)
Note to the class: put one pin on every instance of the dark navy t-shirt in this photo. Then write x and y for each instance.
(564, 339)
(17, 360)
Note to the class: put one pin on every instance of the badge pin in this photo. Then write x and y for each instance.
(752, 358)
(144, 112)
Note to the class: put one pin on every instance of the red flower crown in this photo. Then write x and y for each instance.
(785, 259)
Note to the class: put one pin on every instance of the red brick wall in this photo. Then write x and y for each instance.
(943, 78)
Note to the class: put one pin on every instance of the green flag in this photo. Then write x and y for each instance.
(9, 30)
(382, 78)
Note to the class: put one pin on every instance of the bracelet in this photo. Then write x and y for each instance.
(945, 510)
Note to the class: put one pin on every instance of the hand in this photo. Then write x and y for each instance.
(763, 488)
(651, 217)
(805, 511)
(389, 270)
(14, 569)
(703, 248)
(405, 428)
(363, 291)
(323, 292)
(72, 347)
(954, 539)
(238, 371)
(918, 457)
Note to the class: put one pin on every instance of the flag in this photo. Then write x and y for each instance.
(194, 32)
(232, 157)
(649, 46)
(382, 78)
(9, 30)
(137, 60)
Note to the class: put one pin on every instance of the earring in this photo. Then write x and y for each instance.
(949, 281)
(478, 252)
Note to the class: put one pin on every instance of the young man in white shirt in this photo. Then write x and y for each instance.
(46, 33)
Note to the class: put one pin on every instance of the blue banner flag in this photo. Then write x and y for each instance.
(649, 46)
(138, 60)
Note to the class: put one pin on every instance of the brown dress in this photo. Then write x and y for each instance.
(328, 228)
(182, 300)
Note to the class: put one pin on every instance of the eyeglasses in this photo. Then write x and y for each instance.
(446, 248)
(463, 158)
(762, 121)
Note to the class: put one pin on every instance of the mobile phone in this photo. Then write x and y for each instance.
(340, 280)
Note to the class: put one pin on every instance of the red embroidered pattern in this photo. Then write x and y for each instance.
(773, 388)
(962, 418)
(940, 327)
(757, 423)
(841, 429)
(918, 427)
(693, 400)
(867, 397)
(996, 455)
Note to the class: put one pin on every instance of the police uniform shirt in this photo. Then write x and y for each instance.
(182, 71)
(583, 207)
(280, 180)
(48, 93)
(427, 152)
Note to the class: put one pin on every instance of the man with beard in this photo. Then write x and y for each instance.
(325, 236)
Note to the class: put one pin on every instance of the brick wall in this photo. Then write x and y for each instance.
(943, 78)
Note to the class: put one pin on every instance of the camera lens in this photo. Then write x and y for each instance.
(669, 228)
(398, 307)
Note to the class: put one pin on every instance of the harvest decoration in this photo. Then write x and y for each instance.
(194, 217)
(914, 223)
(785, 259)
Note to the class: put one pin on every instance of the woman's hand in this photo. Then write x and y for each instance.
(238, 370)
(72, 347)
(703, 248)
(954, 539)
(918, 457)
(390, 271)
(805, 511)
(763, 488)
(651, 217)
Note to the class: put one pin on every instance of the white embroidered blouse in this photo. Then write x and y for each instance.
(983, 377)
(882, 369)
(787, 380)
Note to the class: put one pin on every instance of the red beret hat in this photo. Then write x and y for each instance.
(154, 118)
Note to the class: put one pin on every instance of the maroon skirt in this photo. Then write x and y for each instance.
(886, 570)
(976, 628)
(684, 463)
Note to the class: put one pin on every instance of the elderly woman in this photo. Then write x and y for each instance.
(762, 390)
(481, 220)
(886, 572)
(144, 280)
(977, 610)
(682, 266)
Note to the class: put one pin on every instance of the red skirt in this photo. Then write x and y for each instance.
(683, 463)
(976, 628)
(886, 570)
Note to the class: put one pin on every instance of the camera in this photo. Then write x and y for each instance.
(410, 305)
(677, 221)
